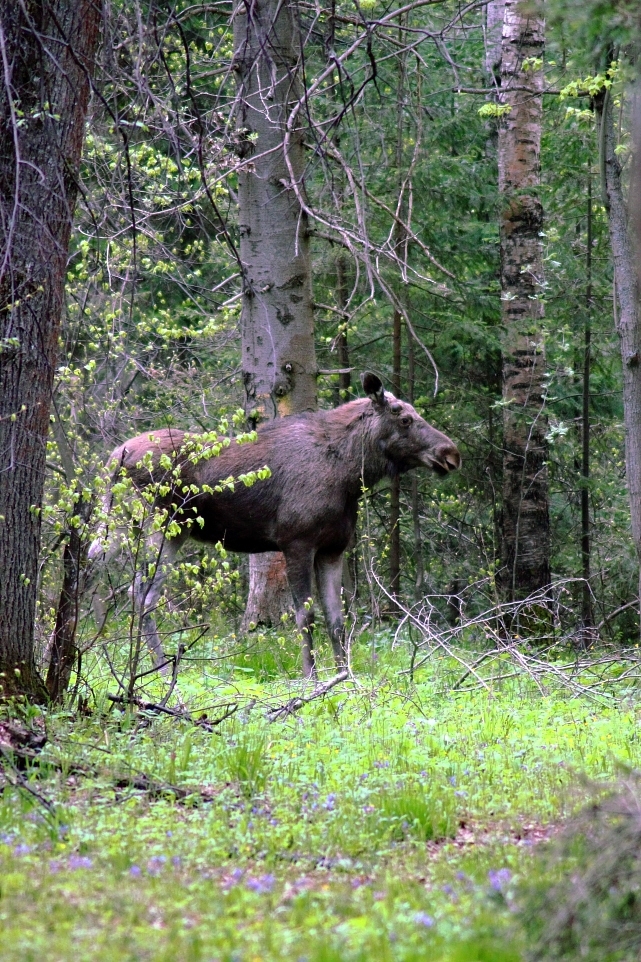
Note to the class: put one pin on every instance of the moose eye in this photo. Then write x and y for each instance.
(406, 421)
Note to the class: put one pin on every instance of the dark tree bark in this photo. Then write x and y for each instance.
(397, 320)
(587, 618)
(46, 57)
(279, 359)
(525, 533)
(342, 347)
(395, 489)
(419, 584)
(63, 652)
(626, 298)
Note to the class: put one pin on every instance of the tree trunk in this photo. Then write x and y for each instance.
(63, 643)
(395, 489)
(626, 287)
(587, 619)
(419, 583)
(525, 518)
(46, 56)
(279, 359)
(397, 319)
(345, 376)
(494, 16)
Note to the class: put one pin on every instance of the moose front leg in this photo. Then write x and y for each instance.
(329, 578)
(300, 563)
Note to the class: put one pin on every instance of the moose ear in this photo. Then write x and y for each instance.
(373, 387)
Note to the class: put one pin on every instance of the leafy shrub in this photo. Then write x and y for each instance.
(588, 904)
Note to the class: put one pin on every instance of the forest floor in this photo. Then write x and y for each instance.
(392, 819)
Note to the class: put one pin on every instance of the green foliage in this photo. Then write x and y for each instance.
(386, 822)
(494, 110)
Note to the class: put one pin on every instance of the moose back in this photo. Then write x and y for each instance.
(320, 464)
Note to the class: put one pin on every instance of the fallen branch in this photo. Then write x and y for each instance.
(20, 745)
(11, 772)
(182, 714)
(295, 704)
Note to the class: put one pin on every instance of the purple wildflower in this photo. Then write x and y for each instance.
(422, 918)
(330, 802)
(79, 861)
(499, 878)
(22, 849)
(357, 883)
(234, 878)
(54, 866)
(155, 864)
(261, 885)
(135, 870)
(176, 861)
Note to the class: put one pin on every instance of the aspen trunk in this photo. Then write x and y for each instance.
(47, 60)
(494, 16)
(626, 294)
(525, 533)
(279, 359)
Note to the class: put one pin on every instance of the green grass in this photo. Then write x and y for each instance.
(388, 821)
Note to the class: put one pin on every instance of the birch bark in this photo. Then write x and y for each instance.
(46, 58)
(278, 352)
(525, 526)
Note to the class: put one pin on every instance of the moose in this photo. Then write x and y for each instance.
(319, 465)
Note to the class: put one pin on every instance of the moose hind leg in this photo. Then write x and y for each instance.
(299, 574)
(147, 593)
(329, 578)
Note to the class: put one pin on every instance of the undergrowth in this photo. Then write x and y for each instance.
(390, 820)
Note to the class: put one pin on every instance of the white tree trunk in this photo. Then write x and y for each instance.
(278, 353)
(494, 16)
(525, 520)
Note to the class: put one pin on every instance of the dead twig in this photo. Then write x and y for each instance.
(182, 714)
(295, 704)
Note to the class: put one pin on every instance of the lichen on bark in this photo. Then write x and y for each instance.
(525, 529)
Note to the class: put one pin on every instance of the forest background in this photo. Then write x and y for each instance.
(403, 214)
(449, 199)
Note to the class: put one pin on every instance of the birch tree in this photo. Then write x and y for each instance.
(525, 521)
(278, 353)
